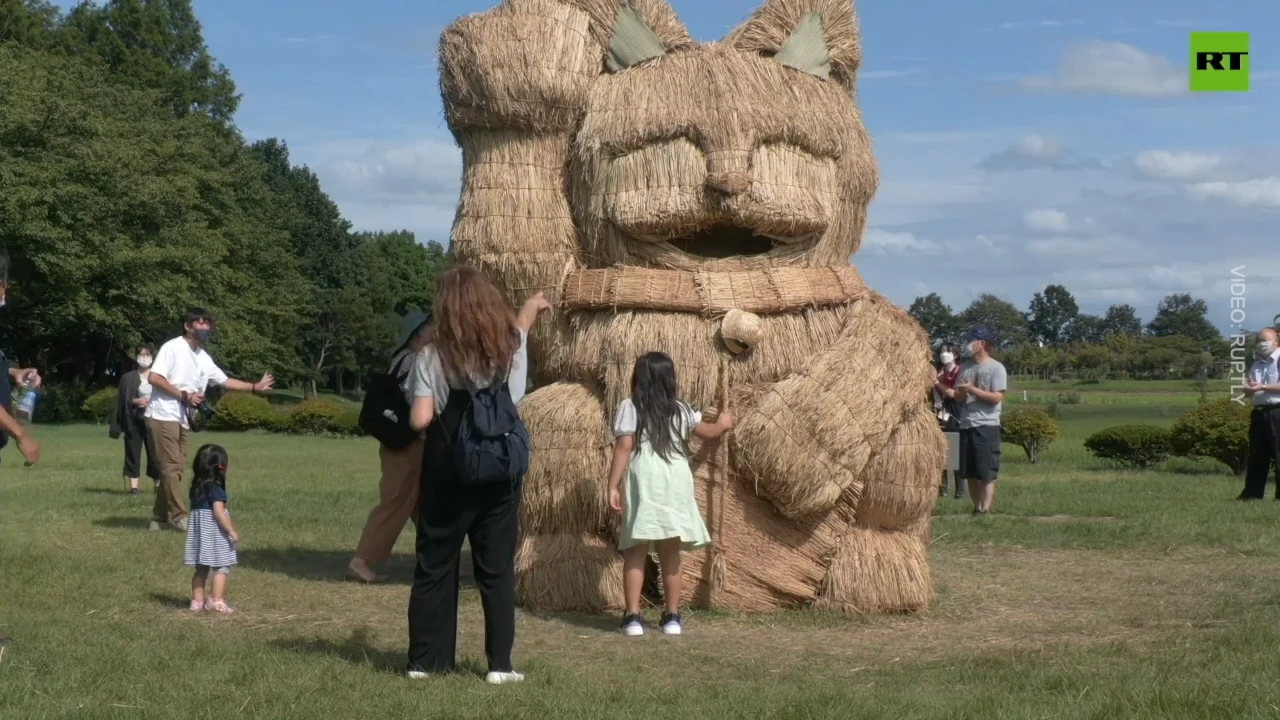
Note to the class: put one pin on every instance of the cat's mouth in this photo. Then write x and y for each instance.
(724, 241)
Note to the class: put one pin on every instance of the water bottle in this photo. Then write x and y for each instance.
(27, 403)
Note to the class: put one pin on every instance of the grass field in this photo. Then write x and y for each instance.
(1092, 593)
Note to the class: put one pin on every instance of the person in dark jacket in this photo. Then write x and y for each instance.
(128, 420)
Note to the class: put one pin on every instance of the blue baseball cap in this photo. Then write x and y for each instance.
(409, 325)
(980, 332)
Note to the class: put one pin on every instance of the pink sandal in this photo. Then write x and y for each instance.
(220, 606)
(197, 606)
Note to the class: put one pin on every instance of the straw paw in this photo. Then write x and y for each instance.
(809, 440)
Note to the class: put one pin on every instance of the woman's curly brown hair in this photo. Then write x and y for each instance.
(474, 325)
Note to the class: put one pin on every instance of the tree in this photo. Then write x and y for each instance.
(1051, 315)
(936, 318)
(119, 217)
(1000, 316)
(30, 23)
(333, 260)
(1181, 314)
(1086, 329)
(157, 44)
(1121, 320)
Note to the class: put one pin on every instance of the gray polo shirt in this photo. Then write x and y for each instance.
(990, 376)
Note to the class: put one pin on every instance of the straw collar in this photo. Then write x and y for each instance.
(712, 293)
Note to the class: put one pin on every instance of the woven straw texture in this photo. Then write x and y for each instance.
(701, 199)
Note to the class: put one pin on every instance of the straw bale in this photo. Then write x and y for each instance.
(514, 224)
(640, 175)
(902, 477)
(713, 293)
(875, 571)
(565, 488)
(771, 562)
(568, 573)
(776, 20)
(808, 439)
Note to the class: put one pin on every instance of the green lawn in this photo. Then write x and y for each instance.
(1092, 593)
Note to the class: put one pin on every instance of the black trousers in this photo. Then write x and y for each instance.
(1264, 451)
(489, 518)
(135, 440)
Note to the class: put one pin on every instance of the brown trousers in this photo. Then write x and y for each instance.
(171, 449)
(401, 473)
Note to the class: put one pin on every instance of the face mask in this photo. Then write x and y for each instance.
(1266, 347)
(202, 335)
(948, 358)
(967, 350)
(144, 361)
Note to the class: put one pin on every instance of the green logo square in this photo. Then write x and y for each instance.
(1219, 62)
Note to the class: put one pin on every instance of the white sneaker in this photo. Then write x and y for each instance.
(633, 626)
(670, 624)
(502, 678)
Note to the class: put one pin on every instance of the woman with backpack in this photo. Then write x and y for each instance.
(401, 458)
(465, 385)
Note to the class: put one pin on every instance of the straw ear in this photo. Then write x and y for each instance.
(819, 37)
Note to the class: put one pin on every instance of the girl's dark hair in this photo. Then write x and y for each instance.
(143, 349)
(209, 470)
(658, 410)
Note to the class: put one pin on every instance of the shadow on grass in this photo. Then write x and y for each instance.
(358, 650)
(598, 623)
(104, 491)
(331, 565)
(173, 602)
(123, 523)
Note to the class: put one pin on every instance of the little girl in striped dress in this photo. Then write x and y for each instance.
(211, 538)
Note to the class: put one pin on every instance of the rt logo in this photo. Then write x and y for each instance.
(1219, 62)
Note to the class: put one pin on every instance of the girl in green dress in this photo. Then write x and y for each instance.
(659, 511)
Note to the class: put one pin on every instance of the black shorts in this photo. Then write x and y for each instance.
(980, 453)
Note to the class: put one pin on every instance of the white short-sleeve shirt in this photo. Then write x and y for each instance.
(428, 378)
(625, 420)
(188, 370)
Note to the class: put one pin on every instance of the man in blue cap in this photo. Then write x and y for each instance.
(980, 393)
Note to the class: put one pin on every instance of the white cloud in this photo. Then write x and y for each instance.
(379, 185)
(1166, 165)
(883, 242)
(1261, 193)
(1008, 26)
(1103, 67)
(884, 74)
(1176, 278)
(1046, 220)
(1035, 152)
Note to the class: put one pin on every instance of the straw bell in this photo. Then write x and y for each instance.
(741, 331)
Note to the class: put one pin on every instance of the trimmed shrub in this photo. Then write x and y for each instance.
(1216, 430)
(313, 416)
(1029, 427)
(237, 412)
(347, 423)
(61, 404)
(1070, 398)
(99, 405)
(1139, 446)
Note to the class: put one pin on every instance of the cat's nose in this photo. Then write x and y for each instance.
(729, 183)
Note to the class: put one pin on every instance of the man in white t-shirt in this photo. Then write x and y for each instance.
(180, 375)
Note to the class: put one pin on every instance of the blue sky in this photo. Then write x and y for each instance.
(1018, 147)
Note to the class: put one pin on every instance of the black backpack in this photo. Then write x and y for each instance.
(384, 415)
(492, 444)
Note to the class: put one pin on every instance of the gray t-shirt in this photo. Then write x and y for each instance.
(428, 378)
(990, 376)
